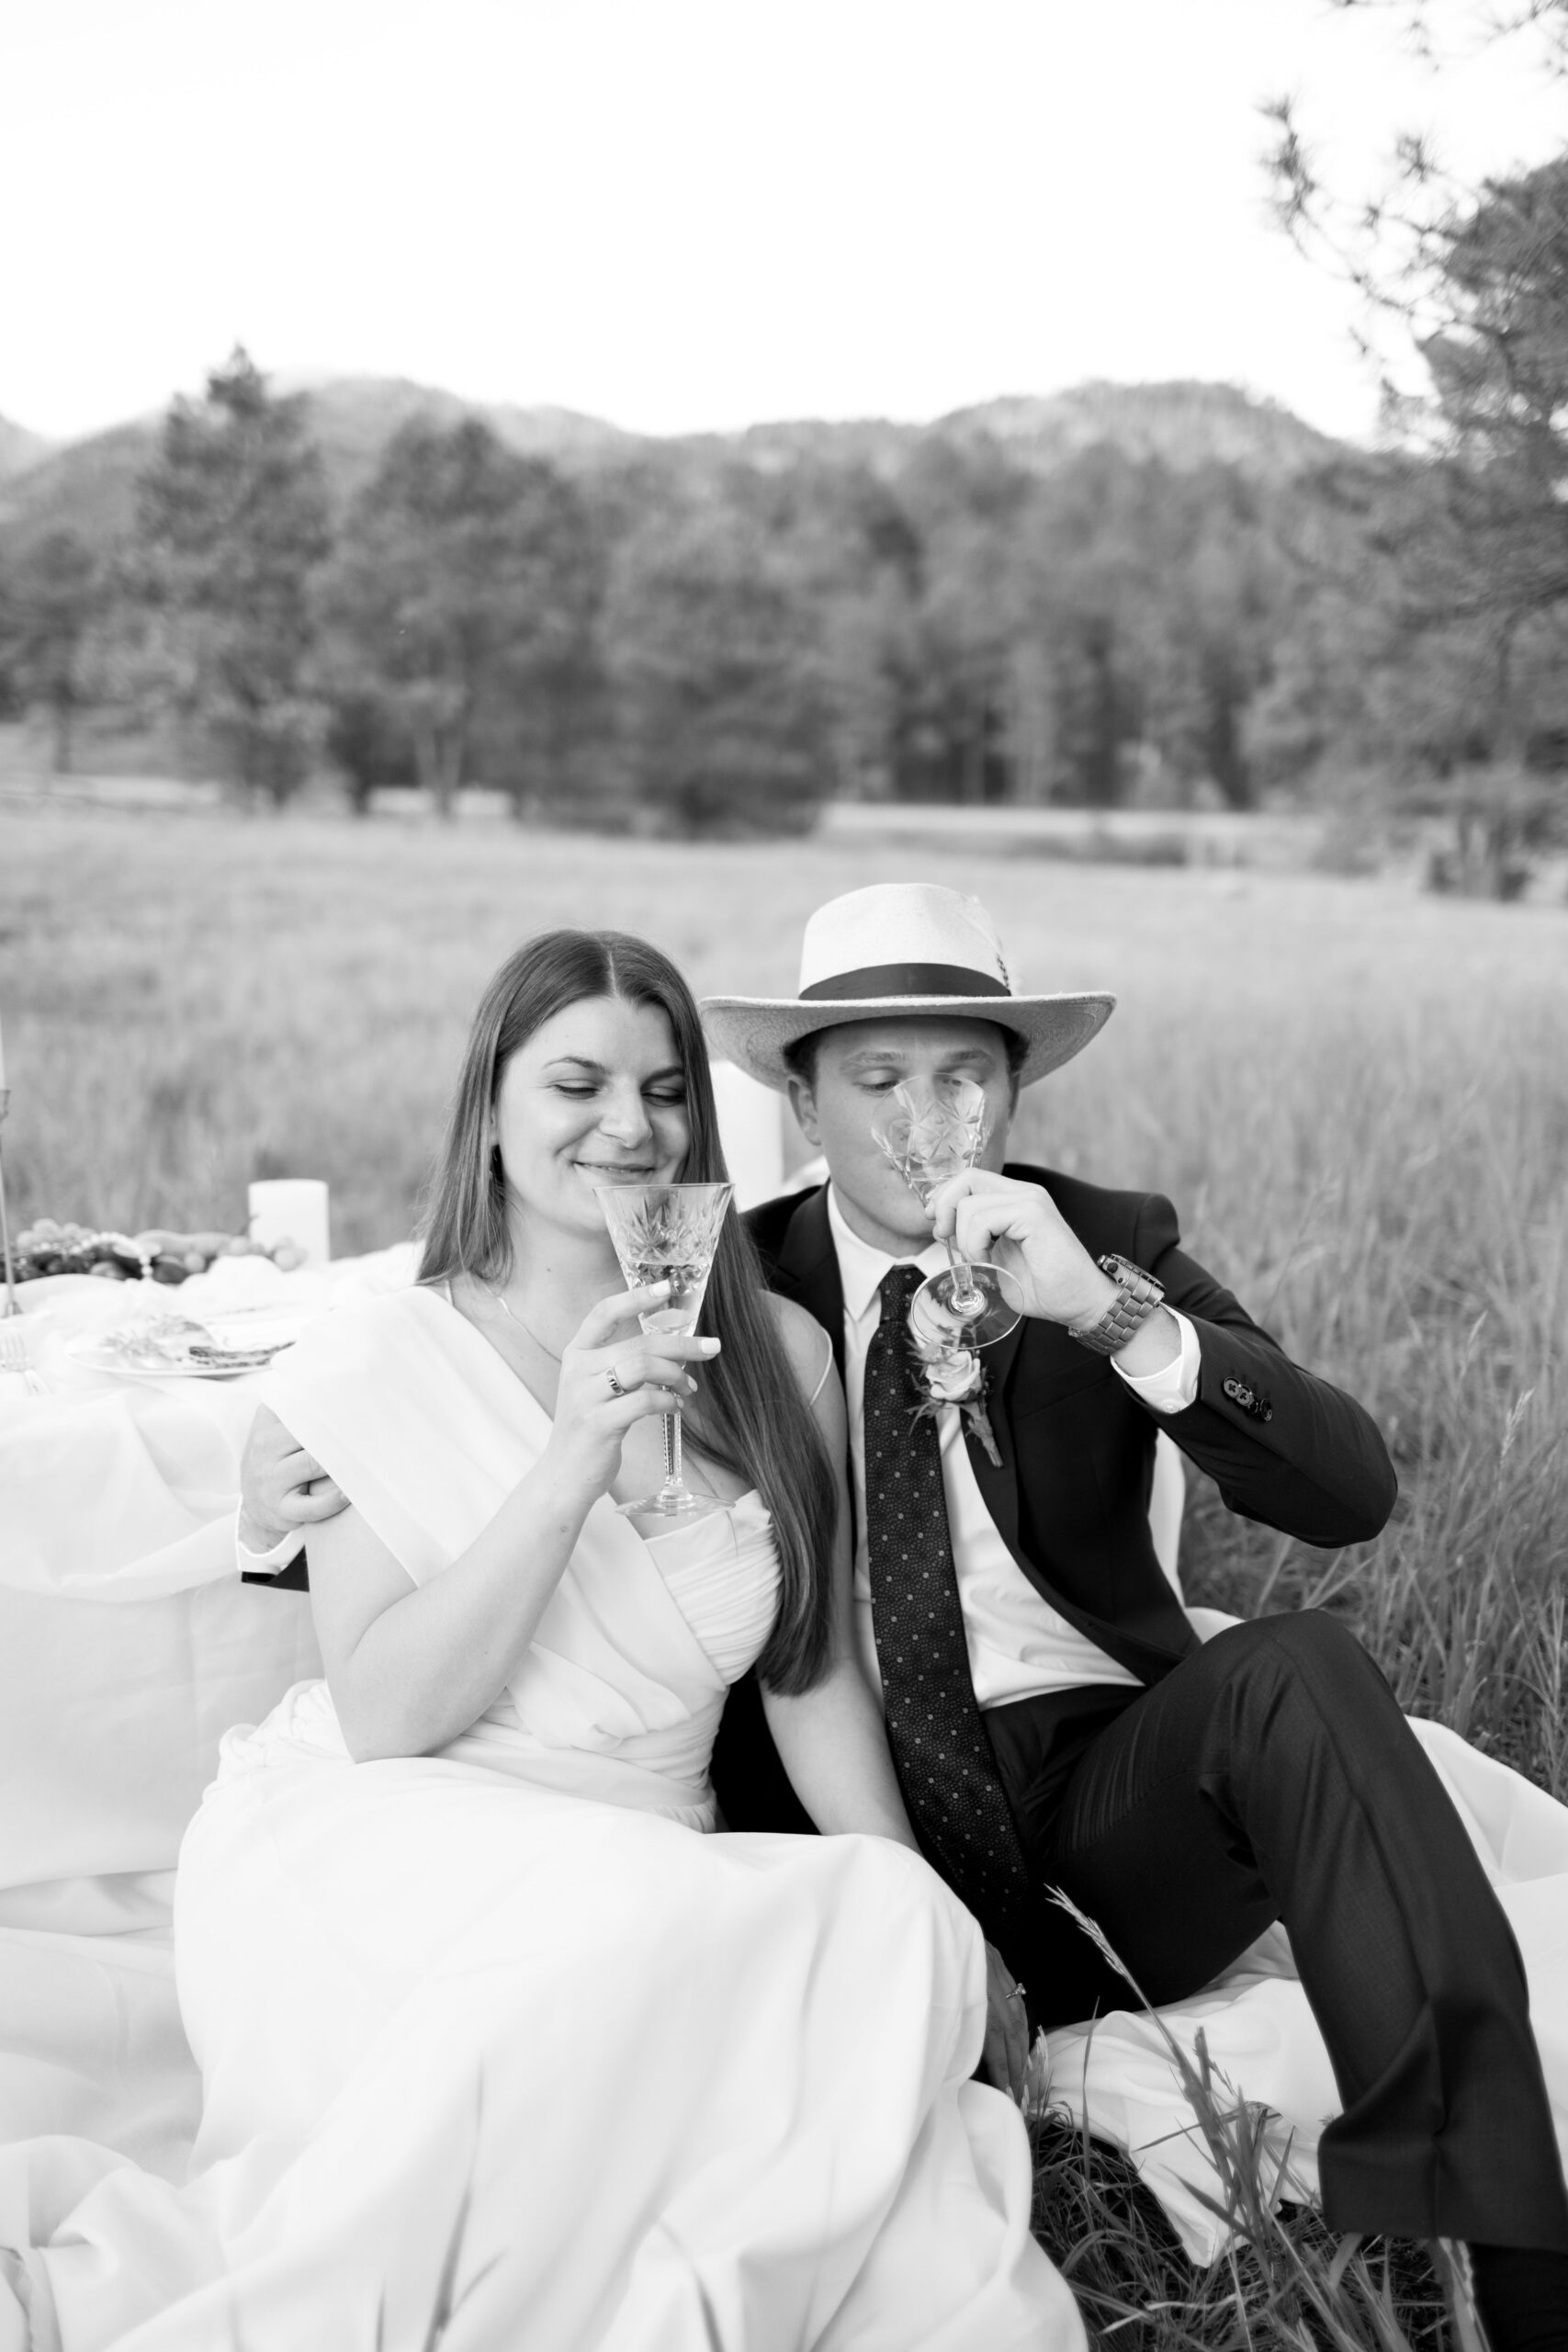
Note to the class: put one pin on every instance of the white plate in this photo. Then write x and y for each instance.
(266, 1330)
(264, 1325)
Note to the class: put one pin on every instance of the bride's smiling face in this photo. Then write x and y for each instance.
(597, 1095)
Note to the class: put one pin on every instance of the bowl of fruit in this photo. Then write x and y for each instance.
(157, 1255)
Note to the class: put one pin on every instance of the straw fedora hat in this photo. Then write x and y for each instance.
(900, 948)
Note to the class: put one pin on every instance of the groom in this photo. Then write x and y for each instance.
(1053, 1718)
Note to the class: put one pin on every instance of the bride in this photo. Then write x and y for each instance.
(499, 2045)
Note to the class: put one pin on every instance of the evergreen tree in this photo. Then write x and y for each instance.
(463, 598)
(722, 719)
(53, 596)
(233, 522)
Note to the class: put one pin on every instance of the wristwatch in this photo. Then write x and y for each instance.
(1140, 1294)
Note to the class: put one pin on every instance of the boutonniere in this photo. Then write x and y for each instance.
(946, 1373)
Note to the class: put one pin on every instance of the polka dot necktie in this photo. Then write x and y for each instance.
(943, 1756)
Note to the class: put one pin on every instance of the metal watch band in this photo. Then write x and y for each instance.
(1140, 1296)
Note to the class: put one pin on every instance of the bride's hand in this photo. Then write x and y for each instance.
(593, 1412)
(1005, 2062)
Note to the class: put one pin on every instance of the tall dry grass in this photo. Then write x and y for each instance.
(1356, 1097)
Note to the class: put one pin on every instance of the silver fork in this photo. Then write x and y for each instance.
(15, 1355)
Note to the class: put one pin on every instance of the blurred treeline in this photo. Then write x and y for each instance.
(1168, 598)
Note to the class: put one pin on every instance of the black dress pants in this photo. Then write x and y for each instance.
(1271, 1775)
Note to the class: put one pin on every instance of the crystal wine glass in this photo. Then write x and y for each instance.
(931, 1136)
(668, 1233)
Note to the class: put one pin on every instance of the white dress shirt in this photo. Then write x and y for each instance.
(266, 1564)
(1019, 1645)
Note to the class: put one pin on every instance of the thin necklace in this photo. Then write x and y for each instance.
(521, 1325)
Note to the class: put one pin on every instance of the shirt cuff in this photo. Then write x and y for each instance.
(1174, 1385)
(267, 1564)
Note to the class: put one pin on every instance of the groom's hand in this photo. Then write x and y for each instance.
(1019, 1227)
(282, 1487)
(1005, 2057)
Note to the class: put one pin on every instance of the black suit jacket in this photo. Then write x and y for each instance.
(1071, 1497)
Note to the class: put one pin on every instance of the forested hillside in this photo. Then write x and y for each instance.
(1159, 595)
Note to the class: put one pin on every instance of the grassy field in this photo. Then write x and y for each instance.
(1357, 1097)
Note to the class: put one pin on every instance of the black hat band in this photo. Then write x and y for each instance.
(904, 979)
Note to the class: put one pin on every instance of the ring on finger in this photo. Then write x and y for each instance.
(1017, 1993)
(613, 1378)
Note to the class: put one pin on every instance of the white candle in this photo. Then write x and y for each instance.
(291, 1208)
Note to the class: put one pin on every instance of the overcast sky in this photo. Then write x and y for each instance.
(688, 213)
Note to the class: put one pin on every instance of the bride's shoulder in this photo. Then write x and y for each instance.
(806, 1343)
(390, 1347)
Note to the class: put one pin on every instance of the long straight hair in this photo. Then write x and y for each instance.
(756, 1423)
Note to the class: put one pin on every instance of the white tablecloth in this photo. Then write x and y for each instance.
(128, 1486)
(128, 1647)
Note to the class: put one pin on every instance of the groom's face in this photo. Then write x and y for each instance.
(843, 1105)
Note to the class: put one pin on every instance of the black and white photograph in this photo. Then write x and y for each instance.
(784, 1176)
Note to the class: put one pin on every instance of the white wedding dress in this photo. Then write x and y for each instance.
(502, 2035)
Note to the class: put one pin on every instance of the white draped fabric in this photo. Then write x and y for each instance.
(504, 2027)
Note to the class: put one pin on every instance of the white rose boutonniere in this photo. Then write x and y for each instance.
(947, 1374)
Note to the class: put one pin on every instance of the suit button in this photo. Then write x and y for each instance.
(1233, 1389)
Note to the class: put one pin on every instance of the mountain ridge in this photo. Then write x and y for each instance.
(1215, 422)
(88, 485)
(20, 449)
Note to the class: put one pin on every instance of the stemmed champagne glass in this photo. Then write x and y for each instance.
(931, 1136)
(668, 1233)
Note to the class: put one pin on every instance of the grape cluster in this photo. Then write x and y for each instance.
(47, 1247)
